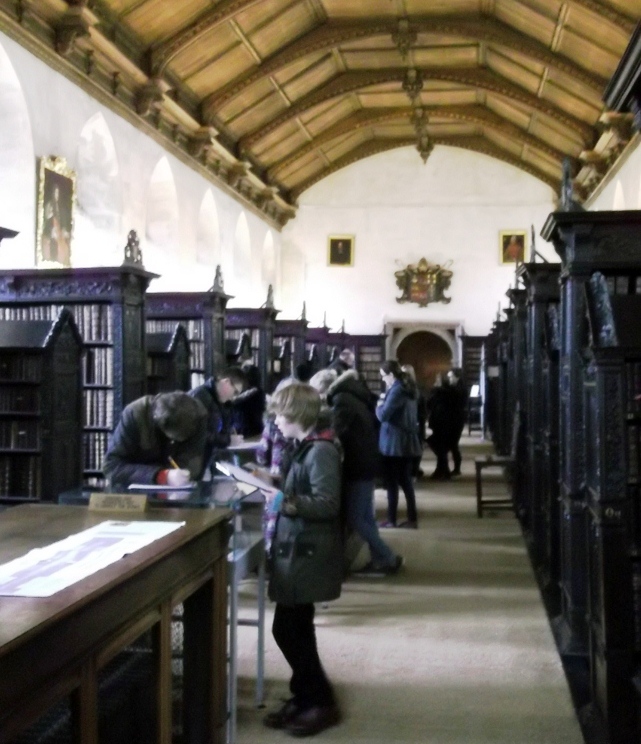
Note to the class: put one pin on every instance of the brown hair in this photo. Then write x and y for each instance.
(298, 403)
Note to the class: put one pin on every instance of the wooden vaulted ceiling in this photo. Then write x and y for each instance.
(274, 95)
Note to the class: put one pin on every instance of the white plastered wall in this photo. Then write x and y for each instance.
(400, 210)
(49, 116)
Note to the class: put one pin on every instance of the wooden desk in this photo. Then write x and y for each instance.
(54, 647)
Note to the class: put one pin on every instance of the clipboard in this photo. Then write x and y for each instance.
(241, 475)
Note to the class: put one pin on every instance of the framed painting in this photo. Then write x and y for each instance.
(512, 246)
(340, 250)
(56, 197)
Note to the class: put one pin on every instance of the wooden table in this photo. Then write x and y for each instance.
(54, 647)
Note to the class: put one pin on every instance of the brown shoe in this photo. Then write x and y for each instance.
(278, 719)
(314, 720)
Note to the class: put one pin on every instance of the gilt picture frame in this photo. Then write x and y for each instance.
(56, 199)
(512, 246)
(340, 250)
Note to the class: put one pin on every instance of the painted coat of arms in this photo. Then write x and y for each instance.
(423, 283)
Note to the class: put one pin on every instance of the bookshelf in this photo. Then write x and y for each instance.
(282, 358)
(107, 305)
(293, 331)
(168, 361)
(369, 350)
(203, 316)
(40, 408)
(258, 324)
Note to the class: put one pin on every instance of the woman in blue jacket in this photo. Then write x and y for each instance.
(398, 440)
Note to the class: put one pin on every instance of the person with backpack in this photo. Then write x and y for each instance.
(306, 558)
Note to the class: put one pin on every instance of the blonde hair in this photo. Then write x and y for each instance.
(299, 404)
(323, 380)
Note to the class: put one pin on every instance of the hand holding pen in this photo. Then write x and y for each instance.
(177, 476)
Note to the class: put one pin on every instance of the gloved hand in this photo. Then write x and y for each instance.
(178, 477)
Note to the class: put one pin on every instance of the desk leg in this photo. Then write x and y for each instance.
(162, 659)
(84, 706)
(205, 660)
(233, 655)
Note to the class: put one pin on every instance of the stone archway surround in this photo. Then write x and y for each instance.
(450, 331)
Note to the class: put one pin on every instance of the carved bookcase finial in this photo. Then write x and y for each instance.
(219, 283)
(133, 252)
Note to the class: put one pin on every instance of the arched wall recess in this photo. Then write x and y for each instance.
(17, 170)
(208, 232)
(97, 233)
(242, 286)
(268, 262)
(162, 217)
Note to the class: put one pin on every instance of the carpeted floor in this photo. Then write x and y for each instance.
(456, 649)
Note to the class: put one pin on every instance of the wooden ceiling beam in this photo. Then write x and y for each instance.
(327, 36)
(368, 117)
(373, 147)
(626, 22)
(474, 78)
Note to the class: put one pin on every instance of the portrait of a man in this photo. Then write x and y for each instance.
(512, 246)
(341, 250)
(56, 190)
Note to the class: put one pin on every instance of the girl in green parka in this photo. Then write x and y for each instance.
(306, 559)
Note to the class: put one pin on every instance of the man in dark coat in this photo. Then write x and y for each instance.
(355, 425)
(459, 399)
(216, 395)
(155, 433)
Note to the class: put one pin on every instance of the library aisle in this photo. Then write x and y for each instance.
(456, 649)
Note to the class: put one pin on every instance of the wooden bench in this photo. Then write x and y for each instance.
(496, 503)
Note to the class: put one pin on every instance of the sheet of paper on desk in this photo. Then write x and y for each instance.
(44, 571)
(240, 474)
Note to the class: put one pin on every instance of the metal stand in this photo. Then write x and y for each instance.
(247, 555)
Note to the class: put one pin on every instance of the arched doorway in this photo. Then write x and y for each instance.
(428, 353)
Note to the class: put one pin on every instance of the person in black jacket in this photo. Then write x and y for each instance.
(155, 433)
(459, 398)
(248, 408)
(354, 423)
(440, 406)
(216, 394)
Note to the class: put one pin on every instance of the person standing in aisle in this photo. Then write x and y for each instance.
(355, 425)
(459, 397)
(398, 441)
(306, 559)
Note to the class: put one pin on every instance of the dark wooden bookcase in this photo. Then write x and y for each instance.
(40, 408)
(168, 361)
(258, 324)
(203, 316)
(369, 355)
(108, 308)
(293, 332)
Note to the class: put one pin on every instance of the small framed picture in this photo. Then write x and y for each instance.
(56, 197)
(512, 246)
(340, 250)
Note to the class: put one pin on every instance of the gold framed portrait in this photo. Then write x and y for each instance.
(56, 199)
(512, 246)
(340, 250)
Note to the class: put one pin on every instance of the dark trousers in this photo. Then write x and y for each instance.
(294, 632)
(397, 471)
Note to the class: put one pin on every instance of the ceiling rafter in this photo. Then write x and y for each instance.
(329, 35)
(369, 117)
(475, 78)
(373, 147)
(623, 21)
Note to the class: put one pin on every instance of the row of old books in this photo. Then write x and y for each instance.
(98, 366)
(19, 434)
(21, 368)
(94, 321)
(94, 444)
(20, 399)
(99, 408)
(20, 476)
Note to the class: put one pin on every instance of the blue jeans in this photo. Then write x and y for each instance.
(359, 500)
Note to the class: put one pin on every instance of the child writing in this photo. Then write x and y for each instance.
(306, 559)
